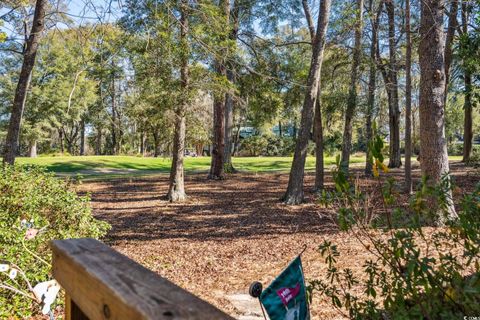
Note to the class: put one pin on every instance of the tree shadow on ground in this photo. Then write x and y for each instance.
(245, 205)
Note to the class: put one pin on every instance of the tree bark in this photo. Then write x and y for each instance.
(372, 85)
(433, 145)
(229, 102)
(32, 43)
(317, 118)
(32, 149)
(61, 140)
(176, 190)
(294, 193)
(229, 105)
(218, 151)
(114, 116)
(217, 169)
(98, 143)
(352, 93)
(156, 142)
(467, 105)
(70, 138)
(318, 135)
(395, 160)
(468, 121)
(452, 26)
(82, 138)
(408, 102)
(142, 142)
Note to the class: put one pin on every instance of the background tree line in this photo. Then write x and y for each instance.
(167, 76)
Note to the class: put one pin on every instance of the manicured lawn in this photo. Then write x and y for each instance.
(111, 164)
(121, 165)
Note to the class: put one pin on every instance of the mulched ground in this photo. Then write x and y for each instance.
(228, 233)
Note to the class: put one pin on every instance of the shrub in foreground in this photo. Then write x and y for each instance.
(35, 207)
(415, 272)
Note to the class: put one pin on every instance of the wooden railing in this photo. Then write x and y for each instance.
(101, 283)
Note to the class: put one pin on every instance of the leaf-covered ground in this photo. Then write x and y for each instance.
(228, 233)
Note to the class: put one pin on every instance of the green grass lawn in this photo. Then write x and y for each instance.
(121, 165)
(105, 164)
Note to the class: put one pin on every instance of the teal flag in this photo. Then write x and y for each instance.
(285, 298)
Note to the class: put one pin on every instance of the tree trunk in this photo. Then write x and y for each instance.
(318, 135)
(199, 149)
(176, 190)
(32, 149)
(295, 129)
(229, 103)
(82, 138)
(228, 166)
(236, 139)
(433, 145)
(61, 141)
(395, 160)
(408, 102)
(156, 142)
(217, 169)
(114, 117)
(70, 138)
(352, 93)
(317, 118)
(13, 134)
(142, 143)
(98, 143)
(218, 150)
(372, 85)
(467, 106)
(414, 134)
(294, 193)
(468, 121)
(452, 26)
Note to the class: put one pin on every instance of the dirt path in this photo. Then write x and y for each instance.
(228, 234)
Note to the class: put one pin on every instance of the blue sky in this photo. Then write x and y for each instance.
(81, 12)
(84, 11)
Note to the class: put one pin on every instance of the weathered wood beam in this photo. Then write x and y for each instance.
(104, 284)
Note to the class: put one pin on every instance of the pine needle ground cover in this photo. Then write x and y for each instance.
(232, 232)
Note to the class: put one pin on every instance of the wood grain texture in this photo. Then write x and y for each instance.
(105, 284)
(72, 311)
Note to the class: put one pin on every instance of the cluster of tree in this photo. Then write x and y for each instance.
(171, 74)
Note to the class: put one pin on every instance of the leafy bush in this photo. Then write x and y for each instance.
(474, 160)
(254, 145)
(456, 149)
(415, 272)
(279, 146)
(36, 207)
(332, 143)
(269, 145)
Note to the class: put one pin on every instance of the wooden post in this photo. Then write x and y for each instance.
(72, 311)
(101, 283)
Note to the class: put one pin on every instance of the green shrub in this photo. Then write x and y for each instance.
(36, 207)
(55, 154)
(279, 146)
(273, 146)
(254, 145)
(415, 272)
(332, 143)
(456, 149)
(474, 160)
